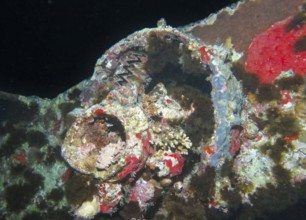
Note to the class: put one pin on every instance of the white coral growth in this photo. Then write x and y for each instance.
(108, 153)
(169, 138)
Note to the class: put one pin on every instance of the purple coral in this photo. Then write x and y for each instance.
(143, 193)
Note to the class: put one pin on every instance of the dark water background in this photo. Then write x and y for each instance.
(47, 46)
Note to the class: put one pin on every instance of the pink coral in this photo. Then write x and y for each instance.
(142, 192)
(148, 150)
(235, 141)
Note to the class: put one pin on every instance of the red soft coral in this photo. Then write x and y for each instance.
(273, 51)
(174, 168)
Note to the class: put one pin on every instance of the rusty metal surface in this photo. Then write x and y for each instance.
(245, 21)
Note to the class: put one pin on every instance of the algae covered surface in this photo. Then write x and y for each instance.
(171, 125)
